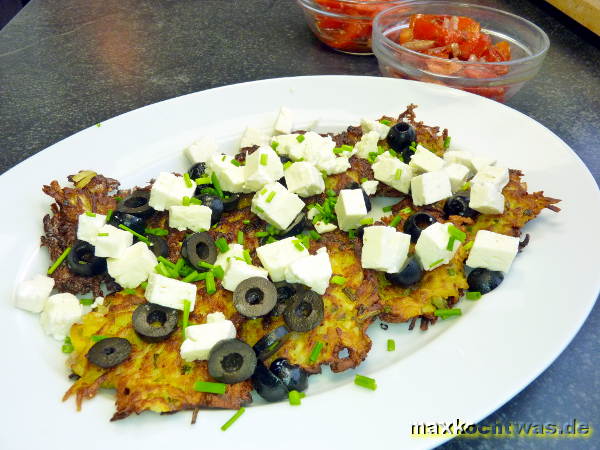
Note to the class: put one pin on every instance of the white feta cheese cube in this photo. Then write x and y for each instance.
(468, 159)
(235, 251)
(133, 266)
(191, 217)
(88, 226)
(239, 271)
(304, 179)
(458, 175)
(424, 160)
(216, 316)
(322, 227)
(201, 150)
(283, 124)
(370, 186)
(168, 190)
(319, 151)
(169, 292)
(493, 251)
(367, 144)
(277, 256)
(289, 144)
(432, 246)
(254, 136)
(262, 167)
(373, 125)
(486, 198)
(384, 248)
(313, 271)
(393, 172)
(496, 175)
(334, 166)
(312, 213)
(276, 205)
(60, 312)
(350, 208)
(430, 187)
(31, 294)
(232, 178)
(112, 242)
(200, 339)
(480, 162)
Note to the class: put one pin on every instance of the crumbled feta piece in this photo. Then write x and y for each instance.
(313, 271)
(335, 165)
(432, 246)
(496, 175)
(283, 124)
(493, 251)
(465, 158)
(99, 301)
(458, 175)
(367, 144)
(424, 160)
(486, 198)
(191, 217)
(88, 227)
(199, 151)
(430, 187)
(370, 186)
(384, 248)
(168, 190)
(350, 208)
(262, 167)
(276, 205)
(133, 266)
(169, 292)
(322, 227)
(232, 178)
(312, 213)
(254, 136)
(480, 162)
(318, 149)
(277, 256)
(200, 339)
(393, 172)
(304, 179)
(60, 312)
(288, 144)
(239, 271)
(223, 259)
(32, 294)
(373, 125)
(114, 243)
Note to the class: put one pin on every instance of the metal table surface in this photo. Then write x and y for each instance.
(69, 64)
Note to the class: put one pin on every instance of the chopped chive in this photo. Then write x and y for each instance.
(435, 263)
(286, 165)
(261, 234)
(259, 209)
(190, 277)
(206, 265)
(246, 221)
(90, 214)
(59, 261)
(247, 257)
(385, 122)
(473, 295)
(165, 261)
(373, 156)
(156, 231)
(68, 348)
(109, 215)
(316, 351)
(195, 201)
(118, 198)
(451, 271)
(97, 337)
(188, 181)
(144, 239)
(235, 417)
(235, 162)
(362, 180)
(456, 233)
(102, 234)
(202, 180)
(314, 235)
(338, 150)
(270, 197)
(129, 291)
(466, 186)
(200, 277)
(347, 148)
(444, 313)
(387, 208)
(86, 301)
(351, 234)
(366, 221)
(264, 159)
(224, 158)
(391, 345)
(240, 237)
(222, 245)
(274, 145)
(216, 184)
(211, 287)
(395, 221)
(185, 201)
(218, 272)
(298, 245)
(450, 245)
(98, 124)
(447, 142)
(210, 387)
(294, 398)
(336, 279)
(179, 265)
(186, 316)
(271, 239)
(366, 382)
(398, 174)
(469, 244)
(163, 270)
(393, 153)
(406, 210)
(300, 138)
(330, 193)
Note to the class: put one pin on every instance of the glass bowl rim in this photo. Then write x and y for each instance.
(315, 7)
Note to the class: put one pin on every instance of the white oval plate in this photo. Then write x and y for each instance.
(463, 368)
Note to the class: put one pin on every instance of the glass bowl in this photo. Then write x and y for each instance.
(496, 80)
(344, 25)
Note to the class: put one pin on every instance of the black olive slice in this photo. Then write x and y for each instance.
(417, 223)
(293, 376)
(137, 204)
(159, 246)
(298, 225)
(304, 312)
(484, 280)
(81, 260)
(129, 220)
(231, 201)
(198, 170)
(458, 205)
(411, 273)
(255, 297)
(198, 248)
(154, 323)
(400, 136)
(231, 361)
(285, 292)
(271, 342)
(109, 352)
(267, 385)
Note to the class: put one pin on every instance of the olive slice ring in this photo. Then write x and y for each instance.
(305, 311)
(82, 261)
(199, 248)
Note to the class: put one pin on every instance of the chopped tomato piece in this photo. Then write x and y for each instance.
(405, 35)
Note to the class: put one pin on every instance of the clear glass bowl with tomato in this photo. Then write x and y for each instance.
(470, 47)
(344, 25)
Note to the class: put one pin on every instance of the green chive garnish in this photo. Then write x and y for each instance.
(222, 245)
(259, 209)
(185, 201)
(406, 210)
(235, 162)
(240, 237)
(235, 417)
(205, 265)
(97, 337)
(109, 215)
(447, 142)
(366, 221)
(129, 291)
(186, 178)
(366, 382)
(270, 197)
(102, 234)
(247, 257)
(90, 214)
(216, 184)
(456, 233)
(264, 159)
(314, 235)
(336, 279)
(473, 295)
(450, 245)
(144, 239)
(118, 198)
(261, 234)
(246, 221)
(195, 201)
(391, 345)
(287, 164)
(351, 234)
(330, 193)
(316, 351)
(86, 301)
(59, 261)
(298, 244)
(469, 244)
(156, 231)
(190, 277)
(218, 272)
(435, 263)
(466, 186)
(165, 261)
(294, 398)
(387, 208)
(444, 313)
(186, 316)
(274, 145)
(300, 138)
(385, 122)
(202, 180)
(398, 174)
(395, 221)
(211, 287)
(209, 387)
